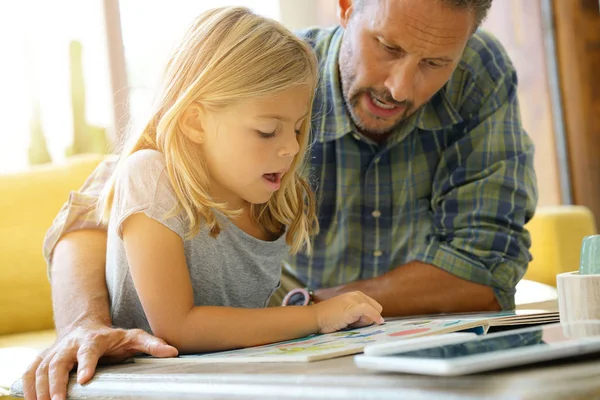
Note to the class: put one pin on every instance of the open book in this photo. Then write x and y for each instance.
(347, 342)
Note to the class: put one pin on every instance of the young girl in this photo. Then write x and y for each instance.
(208, 200)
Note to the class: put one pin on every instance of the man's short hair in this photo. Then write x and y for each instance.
(479, 7)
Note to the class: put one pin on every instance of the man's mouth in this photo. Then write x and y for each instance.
(382, 109)
(382, 104)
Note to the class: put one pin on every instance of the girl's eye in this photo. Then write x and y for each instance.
(266, 135)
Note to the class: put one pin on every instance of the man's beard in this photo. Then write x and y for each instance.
(353, 103)
(347, 78)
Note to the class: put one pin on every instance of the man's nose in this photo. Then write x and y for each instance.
(401, 80)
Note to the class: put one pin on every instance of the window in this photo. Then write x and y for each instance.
(151, 30)
(36, 78)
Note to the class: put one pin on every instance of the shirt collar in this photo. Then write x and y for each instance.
(330, 115)
(438, 113)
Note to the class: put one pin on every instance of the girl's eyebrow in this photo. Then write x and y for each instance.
(279, 117)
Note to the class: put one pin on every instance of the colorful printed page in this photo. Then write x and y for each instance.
(331, 345)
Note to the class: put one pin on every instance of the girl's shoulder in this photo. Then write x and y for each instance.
(144, 173)
(145, 161)
(143, 185)
(144, 169)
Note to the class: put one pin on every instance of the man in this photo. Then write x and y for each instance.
(423, 174)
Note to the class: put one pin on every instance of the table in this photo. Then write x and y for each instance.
(332, 379)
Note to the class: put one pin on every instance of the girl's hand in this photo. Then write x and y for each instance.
(353, 309)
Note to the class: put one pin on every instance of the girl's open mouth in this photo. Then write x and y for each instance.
(273, 180)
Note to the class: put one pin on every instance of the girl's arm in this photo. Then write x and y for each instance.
(156, 258)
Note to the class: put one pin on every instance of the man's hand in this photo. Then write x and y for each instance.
(48, 376)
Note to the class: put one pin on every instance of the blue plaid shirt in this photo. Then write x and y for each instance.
(453, 187)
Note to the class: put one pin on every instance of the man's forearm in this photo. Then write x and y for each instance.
(419, 288)
(79, 293)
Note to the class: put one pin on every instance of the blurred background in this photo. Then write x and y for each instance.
(75, 73)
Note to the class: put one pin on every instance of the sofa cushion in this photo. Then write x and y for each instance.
(29, 201)
(556, 235)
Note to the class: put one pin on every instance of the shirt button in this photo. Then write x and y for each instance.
(355, 136)
(376, 214)
(377, 253)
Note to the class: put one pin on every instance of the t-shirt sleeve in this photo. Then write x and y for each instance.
(143, 186)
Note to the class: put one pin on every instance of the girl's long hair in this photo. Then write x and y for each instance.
(228, 55)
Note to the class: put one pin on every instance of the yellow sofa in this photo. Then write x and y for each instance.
(556, 234)
(29, 202)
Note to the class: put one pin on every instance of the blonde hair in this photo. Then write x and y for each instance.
(228, 55)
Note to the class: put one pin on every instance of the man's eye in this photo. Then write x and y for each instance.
(266, 135)
(433, 64)
(389, 48)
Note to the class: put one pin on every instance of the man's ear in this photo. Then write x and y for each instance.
(191, 123)
(345, 8)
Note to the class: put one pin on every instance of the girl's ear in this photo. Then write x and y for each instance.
(191, 123)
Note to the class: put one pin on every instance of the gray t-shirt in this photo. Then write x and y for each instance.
(234, 269)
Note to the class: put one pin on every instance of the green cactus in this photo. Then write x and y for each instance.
(86, 138)
(38, 149)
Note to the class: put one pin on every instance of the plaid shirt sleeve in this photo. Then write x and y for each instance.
(484, 191)
(78, 213)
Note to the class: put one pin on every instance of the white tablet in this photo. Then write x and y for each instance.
(418, 343)
(493, 351)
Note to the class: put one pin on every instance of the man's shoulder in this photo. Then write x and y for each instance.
(485, 52)
(319, 38)
(485, 68)
(486, 59)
